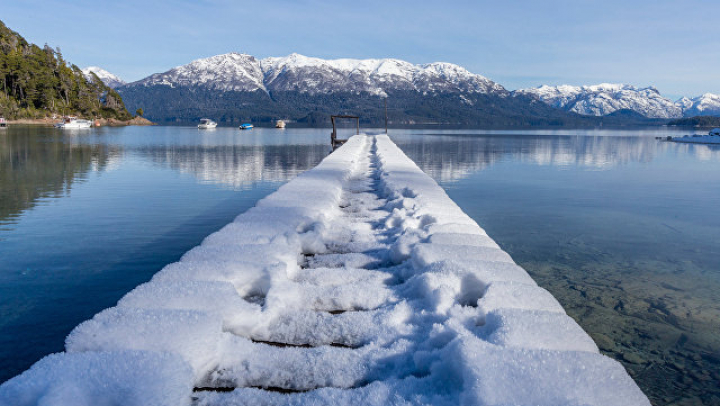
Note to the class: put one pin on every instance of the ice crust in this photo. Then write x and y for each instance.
(359, 282)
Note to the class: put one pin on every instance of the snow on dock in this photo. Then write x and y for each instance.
(697, 139)
(712, 137)
(358, 283)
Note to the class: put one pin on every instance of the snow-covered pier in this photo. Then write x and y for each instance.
(360, 282)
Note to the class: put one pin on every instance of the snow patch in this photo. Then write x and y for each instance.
(108, 78)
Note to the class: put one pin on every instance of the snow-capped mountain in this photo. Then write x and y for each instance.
(241, 72)
(228, 72)
(238, 87)
(108, 78)
(375, 76)
(606, 98)
(705, 105)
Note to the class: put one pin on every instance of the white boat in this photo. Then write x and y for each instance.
(71, 122)
(280, 124)
(3, 122)
(206, 123)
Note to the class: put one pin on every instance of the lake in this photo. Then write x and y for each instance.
(622, 228)
(86, 216)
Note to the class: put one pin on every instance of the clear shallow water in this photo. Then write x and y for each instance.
(87, 216)
(623, 229)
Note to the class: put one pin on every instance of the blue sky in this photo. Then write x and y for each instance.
(672, 45)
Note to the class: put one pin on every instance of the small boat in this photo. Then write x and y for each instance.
(3, 122)
(206, 124)
(715, 132)
(246, 126)
(71, 122)
(280, 124)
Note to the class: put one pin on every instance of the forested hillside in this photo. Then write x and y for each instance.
(697, 121)
(37, 82)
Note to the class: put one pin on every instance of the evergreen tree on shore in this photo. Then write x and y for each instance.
(37, 82)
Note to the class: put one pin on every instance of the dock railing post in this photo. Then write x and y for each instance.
(386, 115)
(333, 135)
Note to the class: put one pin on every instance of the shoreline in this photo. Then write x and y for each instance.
(104, 122)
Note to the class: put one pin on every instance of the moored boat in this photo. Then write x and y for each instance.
(206, 124)
(246, 126)
(3, 122)
(71, 122)
(280, 124)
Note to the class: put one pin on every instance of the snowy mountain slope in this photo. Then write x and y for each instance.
(227, 72)
(108, 78)
(606, 98)
(240, 72)
(314, 75)
(706, 105)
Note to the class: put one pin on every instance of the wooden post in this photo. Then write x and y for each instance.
(386, 115)
(333, 135)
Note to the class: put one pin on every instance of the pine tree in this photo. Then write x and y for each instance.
(38, 82)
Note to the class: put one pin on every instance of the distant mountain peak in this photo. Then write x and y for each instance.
(606, 98)
(108, 78)
(226, 72)
(707, 104)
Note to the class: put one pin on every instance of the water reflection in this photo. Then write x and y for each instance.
(238, 167)
(38, 162)
(34, 166)
(452, 157)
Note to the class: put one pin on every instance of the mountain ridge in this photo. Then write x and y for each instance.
(296, 87)
(605, 98)
(236, 87)
(243, 72)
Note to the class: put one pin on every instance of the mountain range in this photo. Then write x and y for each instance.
(233, 88)
(606, 98)
(237, 87)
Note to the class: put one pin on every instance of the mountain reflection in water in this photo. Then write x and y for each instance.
(449, 157)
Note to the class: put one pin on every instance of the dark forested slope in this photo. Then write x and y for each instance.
(37, 82)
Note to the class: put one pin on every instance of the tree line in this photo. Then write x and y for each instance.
(37, 82)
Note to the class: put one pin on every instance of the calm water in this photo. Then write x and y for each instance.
(623, 229)
(87, 216)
